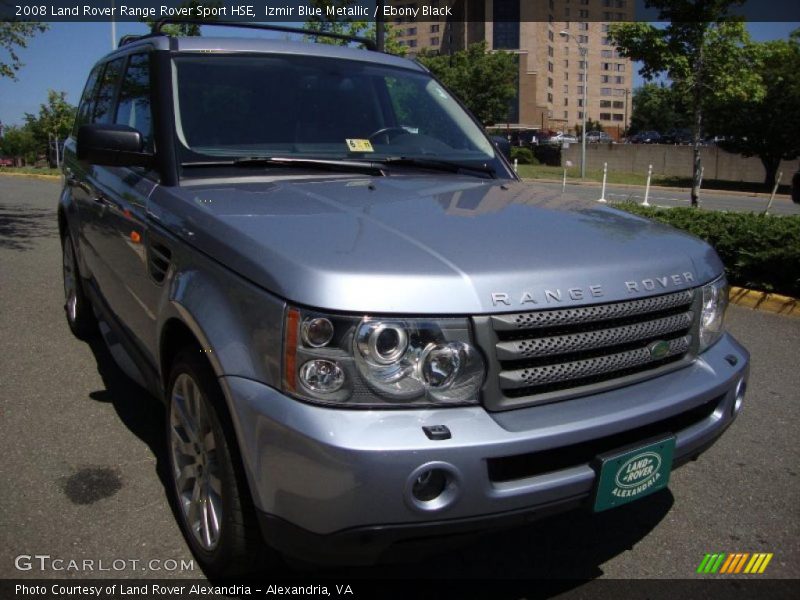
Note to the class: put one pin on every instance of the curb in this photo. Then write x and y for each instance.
(774, 303)
(765, 195)
(32, 176)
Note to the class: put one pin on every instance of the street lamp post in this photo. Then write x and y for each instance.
(585, 56)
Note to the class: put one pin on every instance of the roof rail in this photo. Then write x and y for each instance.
(368, 43)
(129, 39)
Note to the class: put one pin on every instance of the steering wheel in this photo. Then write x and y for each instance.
(389, 132)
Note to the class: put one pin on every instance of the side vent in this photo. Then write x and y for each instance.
(158, 261)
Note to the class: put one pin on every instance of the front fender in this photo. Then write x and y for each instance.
(238, 325)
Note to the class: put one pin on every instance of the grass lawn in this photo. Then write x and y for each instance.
(30, 171)
(574, 174)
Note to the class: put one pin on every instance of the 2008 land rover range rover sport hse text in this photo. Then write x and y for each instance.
(364, 327)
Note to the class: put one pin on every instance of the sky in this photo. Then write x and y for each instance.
(61, 58)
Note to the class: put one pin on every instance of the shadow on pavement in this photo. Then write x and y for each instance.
(21, 224)
(569, 548)
(138, 410)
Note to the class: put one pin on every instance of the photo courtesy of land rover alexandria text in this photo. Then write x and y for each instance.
(365, 329)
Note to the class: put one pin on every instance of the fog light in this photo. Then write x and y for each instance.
(317, 332)
(741, 388)
(323, 376)
(429, 485)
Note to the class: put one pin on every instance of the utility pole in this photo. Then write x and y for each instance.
(380, 27)
(585, 55)
(113, 28)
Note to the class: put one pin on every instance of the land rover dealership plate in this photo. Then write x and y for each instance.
(632, 474)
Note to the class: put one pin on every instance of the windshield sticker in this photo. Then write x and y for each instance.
(359, 145)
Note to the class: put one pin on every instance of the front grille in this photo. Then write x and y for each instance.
(550, 355)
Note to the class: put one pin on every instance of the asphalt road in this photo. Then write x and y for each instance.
(671, 197)
(82, 468)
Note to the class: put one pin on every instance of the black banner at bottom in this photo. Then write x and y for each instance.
(410, 589)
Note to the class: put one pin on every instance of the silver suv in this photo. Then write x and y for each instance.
(364, 327)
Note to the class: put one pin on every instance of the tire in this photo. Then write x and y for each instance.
(212, 498)
(78, 309)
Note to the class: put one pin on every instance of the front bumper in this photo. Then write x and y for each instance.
(335, 474)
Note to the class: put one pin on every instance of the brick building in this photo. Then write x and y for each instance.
(551, 65)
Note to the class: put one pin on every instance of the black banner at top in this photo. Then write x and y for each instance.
(391, 11)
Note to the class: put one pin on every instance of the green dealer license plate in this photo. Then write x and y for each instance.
(632, 474)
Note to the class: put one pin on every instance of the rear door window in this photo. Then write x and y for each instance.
(103, 110)
(87, 100)
(134, 99)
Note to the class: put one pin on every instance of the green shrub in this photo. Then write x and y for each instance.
(760, 252)
(523, 155)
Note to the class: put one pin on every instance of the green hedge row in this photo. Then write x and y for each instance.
(760, 252)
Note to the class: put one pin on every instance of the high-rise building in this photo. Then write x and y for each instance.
(549, 38)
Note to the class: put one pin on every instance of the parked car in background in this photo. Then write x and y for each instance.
(521, 138)
(6, 162)
(598, 137)
(646, 137)
(562, 138)
(679, 137)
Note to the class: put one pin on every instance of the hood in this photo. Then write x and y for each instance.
(430, 244)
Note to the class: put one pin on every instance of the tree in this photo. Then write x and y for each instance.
(54, 119)
(768, 128)
(707, 56)
(484, 81)
(18, 143)
(15, 35)
(659, 107)
(590, 126)
(332, 24)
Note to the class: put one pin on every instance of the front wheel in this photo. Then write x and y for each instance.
(80, 318)
(216, 512)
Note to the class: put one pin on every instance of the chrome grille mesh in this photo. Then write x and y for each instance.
(586, 340)
(579, 369)
(585, 314)
(548, 355)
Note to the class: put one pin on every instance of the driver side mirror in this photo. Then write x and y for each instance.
(112, 145)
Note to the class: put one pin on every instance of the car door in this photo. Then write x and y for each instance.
(127, 288)
(92, 199)
(76, 172)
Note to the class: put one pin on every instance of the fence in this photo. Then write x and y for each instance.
(673, 161)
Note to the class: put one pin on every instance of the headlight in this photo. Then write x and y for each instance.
(379, 362)
(715, 302)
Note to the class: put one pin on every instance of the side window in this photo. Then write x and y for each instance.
(87, 100)
(134, 98)
(103, 111)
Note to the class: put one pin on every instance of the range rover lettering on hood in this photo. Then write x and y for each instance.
(576, 294)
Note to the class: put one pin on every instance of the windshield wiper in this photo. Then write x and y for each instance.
(339, 166)
(438, 165)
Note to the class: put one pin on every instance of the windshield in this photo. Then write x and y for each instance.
(232, 106)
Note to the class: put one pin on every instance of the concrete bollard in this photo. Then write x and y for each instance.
(516, 165)
(647, 188)
(603, 192)
(774, 191)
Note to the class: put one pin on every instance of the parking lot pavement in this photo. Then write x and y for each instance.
(82, 473)
(669, 198)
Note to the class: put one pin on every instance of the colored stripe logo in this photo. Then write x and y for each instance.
(735, 563)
